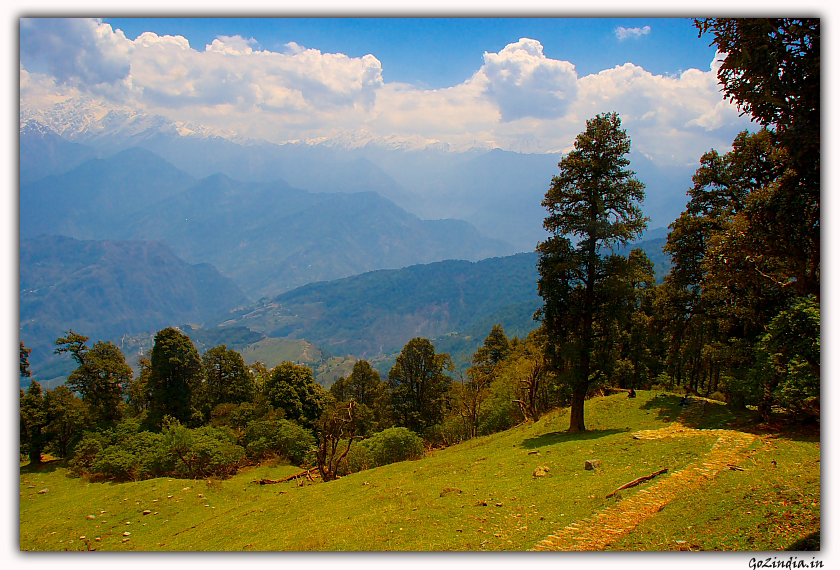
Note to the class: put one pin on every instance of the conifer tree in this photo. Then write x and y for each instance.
(593, 205)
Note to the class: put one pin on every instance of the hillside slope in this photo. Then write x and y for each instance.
(107, 289)
(95, 199)
(376, 313)
(483, 494)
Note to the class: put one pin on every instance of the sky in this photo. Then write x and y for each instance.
(525, 84)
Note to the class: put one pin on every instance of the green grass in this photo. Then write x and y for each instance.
(275, 351)
(480, 495)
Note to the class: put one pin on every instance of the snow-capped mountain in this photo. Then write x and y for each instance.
(90, 121)
(94, 122)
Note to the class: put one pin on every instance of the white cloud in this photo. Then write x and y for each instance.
(522, 82)
(519, 98)
(623, 33)
(75, 51)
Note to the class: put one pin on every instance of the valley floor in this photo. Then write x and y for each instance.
(729, 485)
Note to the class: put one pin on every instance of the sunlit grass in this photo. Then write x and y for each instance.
(480, 495)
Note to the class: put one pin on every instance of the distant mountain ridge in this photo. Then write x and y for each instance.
(95, 198)
(107, 289)
(499, 191)
(376, 313)
(267, 236)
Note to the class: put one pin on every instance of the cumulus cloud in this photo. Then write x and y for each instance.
(525, 83)
(623, 33)
(75, 51)
(518, 98)
(231, 80)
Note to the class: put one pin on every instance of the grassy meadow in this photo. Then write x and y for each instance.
(484, 494)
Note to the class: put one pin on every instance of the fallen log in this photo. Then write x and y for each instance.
(635, 482)
(307, 473)
(268, 481)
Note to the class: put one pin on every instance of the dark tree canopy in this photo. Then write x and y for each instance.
(292, 388)
(33, 422)
(595, 201)
(24, 361)
(771, 70)
(226, 378)
(495, 348)
(174, 374)
(418, 385)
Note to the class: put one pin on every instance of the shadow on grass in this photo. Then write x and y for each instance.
(781, 425)
(809, 543)
(667, 406)
(562, 437)
(43, 467)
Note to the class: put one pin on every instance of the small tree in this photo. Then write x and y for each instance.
(66, 418)
(226, 378)
(471, 394)
(292, 389)
(174, 374)
(102, 377)
(418, 385)
(594, 200)
(336, 430)
(33, 422)
(24, 361)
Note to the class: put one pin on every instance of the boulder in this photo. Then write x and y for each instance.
(592, 464)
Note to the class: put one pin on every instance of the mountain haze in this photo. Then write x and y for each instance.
(497, 191)
(107, 289)
(96, 198)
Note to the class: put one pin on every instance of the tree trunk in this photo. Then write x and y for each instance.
(576, 424)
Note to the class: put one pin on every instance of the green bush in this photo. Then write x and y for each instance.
(498, 414)
(203, 451)
(358, 459)
(278, 437)
(127, 452)
(383, 448)
(115, 462)
(394, 444)
(85, 455)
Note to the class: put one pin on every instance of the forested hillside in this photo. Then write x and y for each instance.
(108, 289)
(376, 313)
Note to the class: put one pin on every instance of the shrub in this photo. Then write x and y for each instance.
(279, 437)
(718, 396)
(115, 462)
(383, 448)
(203, 451)
(394, 444)
(358, 459)
(85, 455)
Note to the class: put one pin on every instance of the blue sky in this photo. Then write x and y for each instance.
(443, 52)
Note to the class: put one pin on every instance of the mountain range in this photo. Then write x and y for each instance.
(268, 236)
(118, 241)
(499, 191)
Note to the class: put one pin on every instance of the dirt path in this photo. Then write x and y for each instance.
(606, 526)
